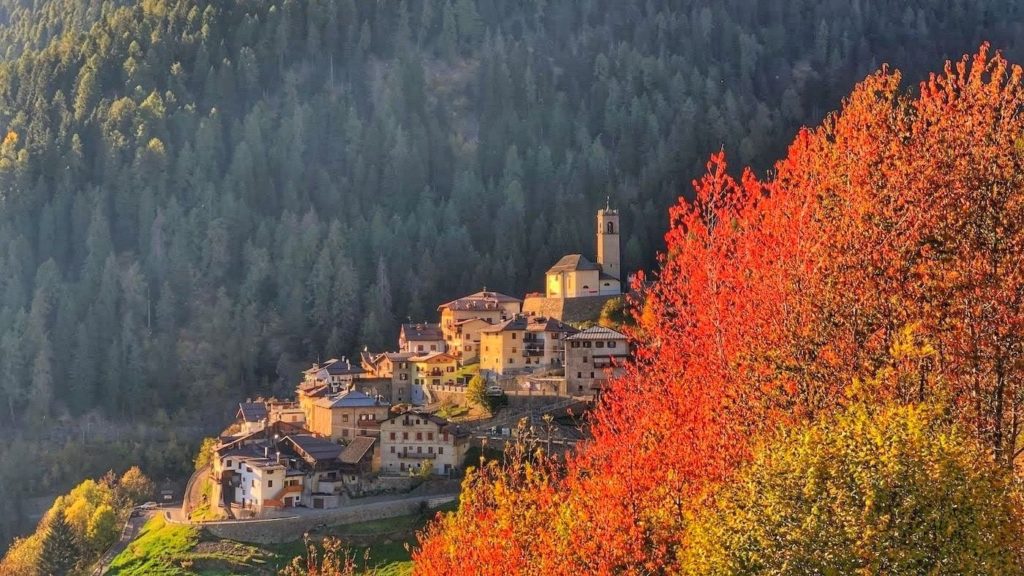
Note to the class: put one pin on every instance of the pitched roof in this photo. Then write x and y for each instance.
(314, 448)
(530, 324)
(252, 411)
(356, 449)
(350, 399)
(399, 356)
(456, 430)
(421, 332)
(433, 357)
(573, 263)
(598, 333)
(484, 300)
(337, 367)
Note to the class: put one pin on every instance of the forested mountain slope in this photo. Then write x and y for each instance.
(198, 197)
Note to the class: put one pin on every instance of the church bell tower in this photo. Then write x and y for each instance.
(608, 242)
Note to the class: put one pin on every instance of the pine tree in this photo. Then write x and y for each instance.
(60, 551)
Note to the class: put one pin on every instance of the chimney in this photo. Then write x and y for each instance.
(266, 452)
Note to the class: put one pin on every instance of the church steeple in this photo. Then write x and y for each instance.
(608, 241)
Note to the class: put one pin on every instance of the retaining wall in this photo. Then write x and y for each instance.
(281, 530)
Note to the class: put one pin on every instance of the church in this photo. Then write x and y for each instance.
(575, 276)
(576, 288)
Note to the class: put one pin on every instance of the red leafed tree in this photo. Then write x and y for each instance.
(898, 224)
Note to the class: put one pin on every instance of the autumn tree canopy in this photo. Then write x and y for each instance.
(879, 261)
(891, 490)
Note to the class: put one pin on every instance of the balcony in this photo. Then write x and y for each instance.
(533, 349)
(435, 372)
(415, 455)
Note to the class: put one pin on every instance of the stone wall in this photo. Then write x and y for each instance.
(281, 530)
(569, 310)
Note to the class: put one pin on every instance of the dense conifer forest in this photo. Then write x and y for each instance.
(197, 198)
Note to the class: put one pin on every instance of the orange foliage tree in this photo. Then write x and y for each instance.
(896, 224)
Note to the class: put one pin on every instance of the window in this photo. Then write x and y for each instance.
(509, 360)
(579, 374)
(392, 448)
(584, 359)
(591, 374)
(612, 344)
(433, 347)
(586, 344)
(253, 483)
(344, 417)
(270, 483)
(581, 387)
(419, 436)
(430, 436)
(575, 344)
(228, 464)
(610, 228)
(513, 349)
(440, 449)
(445, 437)
(405, 435)
(403, 377)
(599, 344)
(430, 450)
(419, 449)
(513, 335)
(344, 432)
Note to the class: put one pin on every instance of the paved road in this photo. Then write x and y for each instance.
(128, 533)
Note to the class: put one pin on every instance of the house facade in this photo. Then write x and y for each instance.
(421, 338)
(490, 307)
(523, 344)
(347, 415)
(411, 438)
(591, 357)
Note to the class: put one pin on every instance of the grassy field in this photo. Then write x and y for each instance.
(164, 549)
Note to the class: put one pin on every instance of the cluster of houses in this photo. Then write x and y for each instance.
(280, 455)
(353, 422)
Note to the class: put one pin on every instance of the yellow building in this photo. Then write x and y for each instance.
(574, 276)
(436, 368)
(523, 344)
(489, 307)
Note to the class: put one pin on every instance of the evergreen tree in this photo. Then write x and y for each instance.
(60, 553)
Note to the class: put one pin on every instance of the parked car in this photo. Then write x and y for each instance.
(495, 390)
(149, 506)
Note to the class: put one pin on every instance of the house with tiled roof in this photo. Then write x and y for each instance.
(462, 319)
(421, 338)
(592, 357)
(411, 438)
(523, 344)
(347, 415)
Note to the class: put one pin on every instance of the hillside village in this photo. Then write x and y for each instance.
(366, 426)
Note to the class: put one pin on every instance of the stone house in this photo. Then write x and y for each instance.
(591, 357)
(410, 438)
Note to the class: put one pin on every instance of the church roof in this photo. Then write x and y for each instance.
(573, 263)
